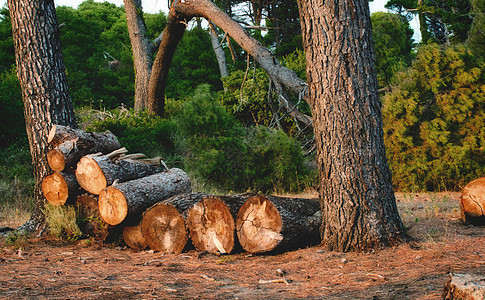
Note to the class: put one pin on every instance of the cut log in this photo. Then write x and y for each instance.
(90, 221)
(133, 237)
(472, 202)
(96, 172)
(131, 198)
(163, 228)
(268, 223)
(464, 287)
(59, 187)
(72, 144)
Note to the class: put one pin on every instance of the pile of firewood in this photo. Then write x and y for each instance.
(153, 205)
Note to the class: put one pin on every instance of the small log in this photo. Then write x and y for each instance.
(268, 223)
(464, 287)
(472, 202)
(90, 221)
(131, 198)
(163, 228)
(72, 144)
(59, 187)
(134, 238)
(96, 172)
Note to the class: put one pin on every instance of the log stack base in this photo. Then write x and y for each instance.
(472, 202)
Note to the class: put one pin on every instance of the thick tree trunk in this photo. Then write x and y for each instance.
(172, 34)
(59, 187)
(358, 204)
(129, 199)
(140, 45)
(268, 223)
(472, 202)
(41, 72)
(95, 173)
(163, 228)
(72, 144)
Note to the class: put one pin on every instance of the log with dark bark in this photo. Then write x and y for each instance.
(131, 198)
(90, 221)
(96, 172)
(464, 287)
(59, 187)
(133, 237)
(72, 144)
(266, 223)
(472, 202)
(163, 228)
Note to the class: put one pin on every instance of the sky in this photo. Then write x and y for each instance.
(154, 6)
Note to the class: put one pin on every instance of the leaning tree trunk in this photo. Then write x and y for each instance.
(268, 223)
(358, 203)
(219, 52)
(129, 199)
(140, 45)
(41, 72)
(72, 144)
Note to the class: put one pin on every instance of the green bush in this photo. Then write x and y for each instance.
(434, 121)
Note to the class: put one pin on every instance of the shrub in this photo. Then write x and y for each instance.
(62, 222)
(433, 121)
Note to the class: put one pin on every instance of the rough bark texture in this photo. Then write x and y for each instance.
(131, 198)
(41, 72)
(59, 187)
(266, 224)
(140, 44)
(465, 287)
(133, 237)
(358, 204)
(95, 173)
(164, 228)
(90, 221)
(472, 202)
(72, 144)
(172, 34)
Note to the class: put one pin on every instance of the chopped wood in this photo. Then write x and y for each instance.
(465, 287)
(96, 172)
(133, 237)
(131, 198)
(59, 187)
(164, 228)
(269, 223)
(472, 202)
(71, 144)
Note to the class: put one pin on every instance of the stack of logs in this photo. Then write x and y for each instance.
(153, 206)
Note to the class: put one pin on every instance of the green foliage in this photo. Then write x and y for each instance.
(137, 131)
(393, 45)
(297, 62)
(62, 221)
(476, 35)
(433, 121)
(7, 54)
(12, 124)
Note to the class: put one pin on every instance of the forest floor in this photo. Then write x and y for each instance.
(46, 268)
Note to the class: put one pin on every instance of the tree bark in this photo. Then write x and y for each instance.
(140, 45)
(129, 199)
(172, 34)
(72, 144)
(472, 202)
(163, 228)
(95, 173)
(358, 203)
(41, 72)
(218, 51)
(59, 187)
(464, 286)
(267, 223)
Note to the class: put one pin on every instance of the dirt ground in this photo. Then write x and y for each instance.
(46, 268)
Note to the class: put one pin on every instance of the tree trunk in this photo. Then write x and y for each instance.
(358, 203)
(72, 144)
(218, 51)
(172, 34)
(472, 202)
(129, 199)
(59, 187)
(95, 173)
(41, 72)
(266, 224)
(140, 45)
(164, 228)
